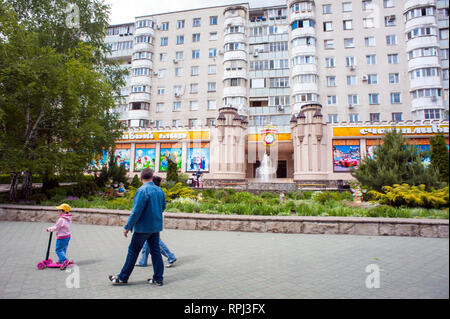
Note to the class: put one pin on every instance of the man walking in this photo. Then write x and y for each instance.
(146, 222)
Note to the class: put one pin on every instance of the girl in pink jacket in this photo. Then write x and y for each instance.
(62, 229)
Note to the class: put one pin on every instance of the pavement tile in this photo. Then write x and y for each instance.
(227, 265)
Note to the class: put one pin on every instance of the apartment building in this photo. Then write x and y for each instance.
(214, 82)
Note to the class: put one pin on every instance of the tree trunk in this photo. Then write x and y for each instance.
(13, 186)
(27, 186)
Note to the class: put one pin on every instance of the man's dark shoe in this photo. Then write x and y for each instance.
(153, 282)
(116, 281)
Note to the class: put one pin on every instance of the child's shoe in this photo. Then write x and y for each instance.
(64, 264)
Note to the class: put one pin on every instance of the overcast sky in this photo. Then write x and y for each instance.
(123, 11)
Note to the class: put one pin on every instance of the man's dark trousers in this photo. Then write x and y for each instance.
(137, 241)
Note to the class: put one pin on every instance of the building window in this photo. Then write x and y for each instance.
(180, 39)
(331, 81)
(178, 71)
(328, 26)
(163, 57)
(161, 73)
(165, 26)
(196, 22)
(353, 117)
(372, 79)
(374, 98)
(330, 62)
(210, 122)
(211, 86)
(394, 78)
(164, 41)
(176, 123)
(369, 41)
(179, 55)
(333, 118)
(374, 117)
(348, 24)
(328, 44)
(349, 43)
(194, 88)
(212, 69)
(395, 98)
(391, 39)
(159, 123)
(212, 53)
(443, 34)
(331, 99)
(279, 82)
(432, 114)
(159, 107)
(352, 99)
(393, 58)
(351, 80)
(388, 3)
(326, 9)
(176, 106)
(180, 24)
(350, 61)
(196, 37)
(346, 7)
(213, 36)
(367, 5)
(195, 54)
(371, 59)
(396, 117)
(161, 90)
(193, 105)
(195, 70)
(211, 104)
(139, 106)
(368, 23)
(389, 21)
(193, 122)
(141, 71)
(213, 20)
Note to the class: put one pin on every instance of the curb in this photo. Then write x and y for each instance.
(368, 226)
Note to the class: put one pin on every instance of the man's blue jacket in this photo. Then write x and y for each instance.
(148, 206)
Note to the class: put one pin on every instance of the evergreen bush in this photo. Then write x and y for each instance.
(395, 162)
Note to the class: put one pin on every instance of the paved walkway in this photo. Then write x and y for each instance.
(227, 265)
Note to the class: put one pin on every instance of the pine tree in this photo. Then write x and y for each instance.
(439, 156)
(172, 171)
(395, 162)
(136, 183)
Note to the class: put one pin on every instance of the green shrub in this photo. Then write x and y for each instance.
(176, 191)
(136, 182)
(412, 196)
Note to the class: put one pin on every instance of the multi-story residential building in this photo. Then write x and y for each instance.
(203, 84)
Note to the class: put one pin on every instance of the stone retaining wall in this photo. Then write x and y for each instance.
(437, 228)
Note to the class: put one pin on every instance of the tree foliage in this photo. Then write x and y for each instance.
(172, 171)
(57, 88)
(395, 162)
(439, 156)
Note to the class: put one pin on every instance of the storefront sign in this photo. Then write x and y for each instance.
(381, 130)
(164, 136)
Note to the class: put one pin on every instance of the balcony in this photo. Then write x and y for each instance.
(234, 91)
(423, 62)
(420, 22)
(235, 55)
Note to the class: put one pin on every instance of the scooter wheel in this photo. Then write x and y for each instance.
(41, 265)
(49, 261)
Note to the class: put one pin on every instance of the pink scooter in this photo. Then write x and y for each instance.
(47, 262)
